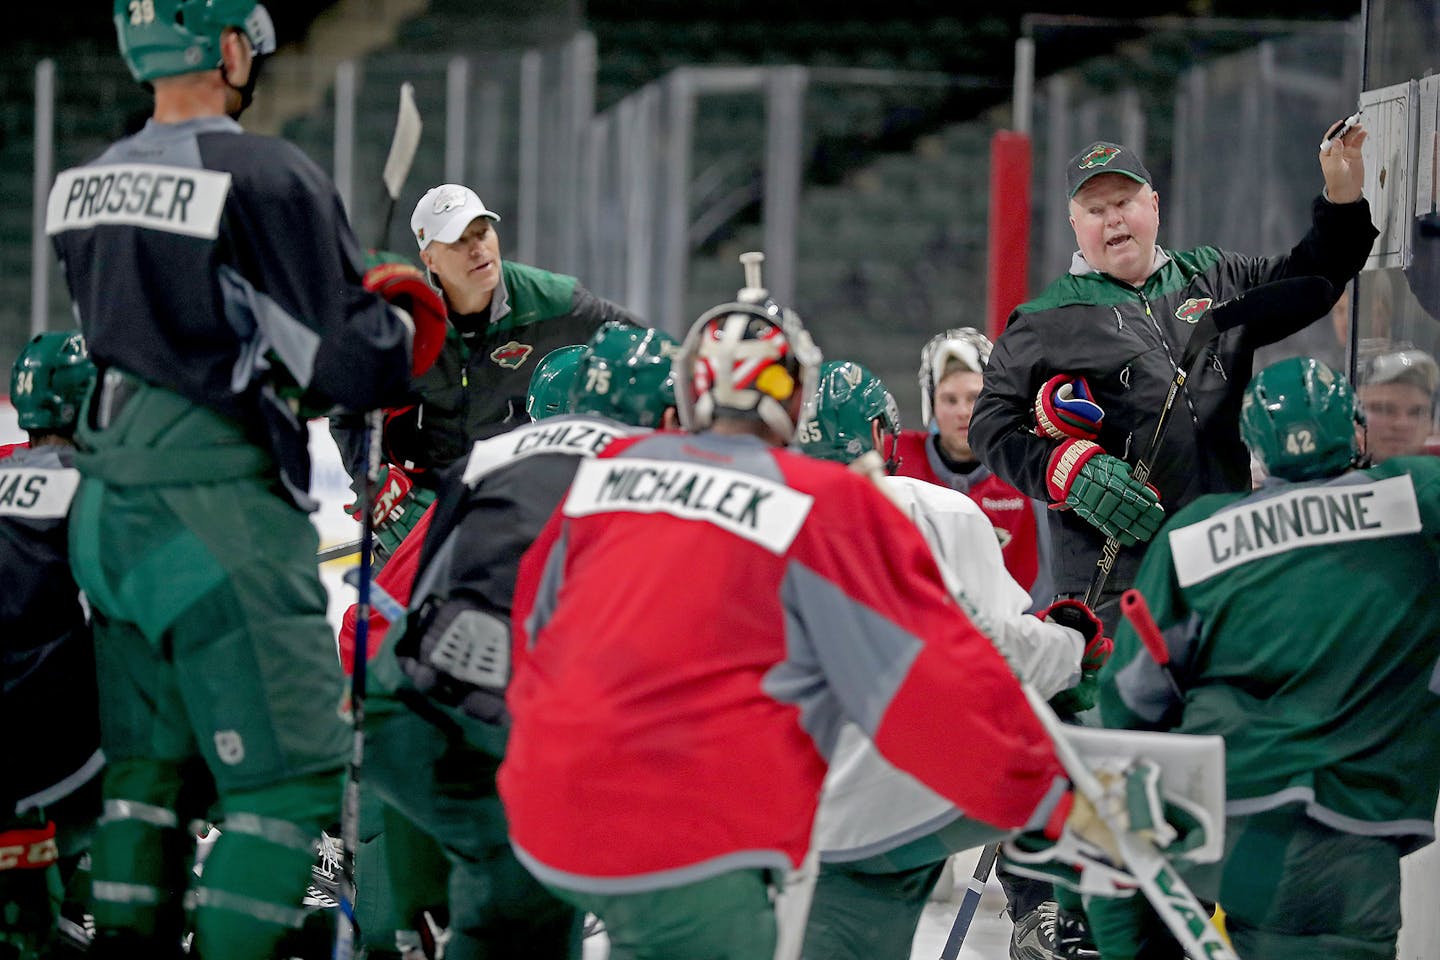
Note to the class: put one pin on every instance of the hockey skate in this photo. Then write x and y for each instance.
(323, 890)
(1033, 937)
(1072, 938)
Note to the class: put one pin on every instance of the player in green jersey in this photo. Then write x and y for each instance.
(1301, 624)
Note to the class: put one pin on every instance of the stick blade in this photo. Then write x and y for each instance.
(1304, 298)
(404, 144)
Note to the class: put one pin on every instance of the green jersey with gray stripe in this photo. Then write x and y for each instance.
(1303, 622)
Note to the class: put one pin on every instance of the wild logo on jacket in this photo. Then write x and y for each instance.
(1193, 309)
(1098, 157)
(511, 355)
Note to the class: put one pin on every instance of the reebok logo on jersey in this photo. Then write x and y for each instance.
(182, 200)
(764, 512)
(1307, 517)
(1002, 503)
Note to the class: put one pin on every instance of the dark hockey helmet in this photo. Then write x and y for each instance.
(848, 399)
(1298, 418)
(964, 344)
(162, 38)
(49, 381)
(625, 374)
(549, 392)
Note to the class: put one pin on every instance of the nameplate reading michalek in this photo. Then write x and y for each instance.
(1305, 517)
(184, 200)
(762, 511)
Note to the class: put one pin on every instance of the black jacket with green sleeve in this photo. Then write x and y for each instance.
(1125, 340)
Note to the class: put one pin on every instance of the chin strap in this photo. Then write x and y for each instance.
(247, 91)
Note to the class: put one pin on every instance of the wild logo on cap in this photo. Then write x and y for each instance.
(1099, 155)
(448, 199)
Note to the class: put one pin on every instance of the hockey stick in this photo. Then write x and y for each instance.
(338, 552)
(1169, 895)
(347, 929)
(1134, 608)
(970, 902)
(1305, 296)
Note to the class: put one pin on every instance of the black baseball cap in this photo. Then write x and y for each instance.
(1102, 156)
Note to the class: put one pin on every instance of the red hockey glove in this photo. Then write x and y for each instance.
(1064, 410)
(403, 286)
(391, 489)
(1099, 488)
(28, 848)
(1080, 618)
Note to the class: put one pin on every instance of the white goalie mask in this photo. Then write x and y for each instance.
(965, 345)
(745, 359)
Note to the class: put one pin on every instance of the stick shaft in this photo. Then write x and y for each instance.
(1171, 897)
(970, 902)
(1204, 333)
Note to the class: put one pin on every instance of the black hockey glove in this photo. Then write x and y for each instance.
(1080, 618)
(462, 658)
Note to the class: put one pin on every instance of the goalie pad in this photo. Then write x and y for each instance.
(1165, 787)
(462, 659)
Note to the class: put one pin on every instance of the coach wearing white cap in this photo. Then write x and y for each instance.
(504, 317)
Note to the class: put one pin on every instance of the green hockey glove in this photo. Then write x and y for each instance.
(1099, 488)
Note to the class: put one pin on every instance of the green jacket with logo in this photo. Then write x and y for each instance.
(1125, 341)
(477, 387)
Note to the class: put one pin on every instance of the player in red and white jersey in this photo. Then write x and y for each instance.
(952, 368)
(693, 628)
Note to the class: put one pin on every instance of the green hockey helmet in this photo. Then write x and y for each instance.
(163, 38)
(49, 381)
(1298, 418)
(848, 399)
(625, 374)
(549, 391)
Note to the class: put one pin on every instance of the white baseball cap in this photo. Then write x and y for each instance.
(444, 213)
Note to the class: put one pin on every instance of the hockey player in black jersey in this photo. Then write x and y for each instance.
(50, 790)
(221, 292)
(436, 724)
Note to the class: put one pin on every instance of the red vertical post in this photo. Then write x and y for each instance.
(1008, 240)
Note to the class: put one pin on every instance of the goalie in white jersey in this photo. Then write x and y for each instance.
(883, 838)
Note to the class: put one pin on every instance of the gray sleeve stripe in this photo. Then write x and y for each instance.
(547, 597)
(843, 661)
(264, 325)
